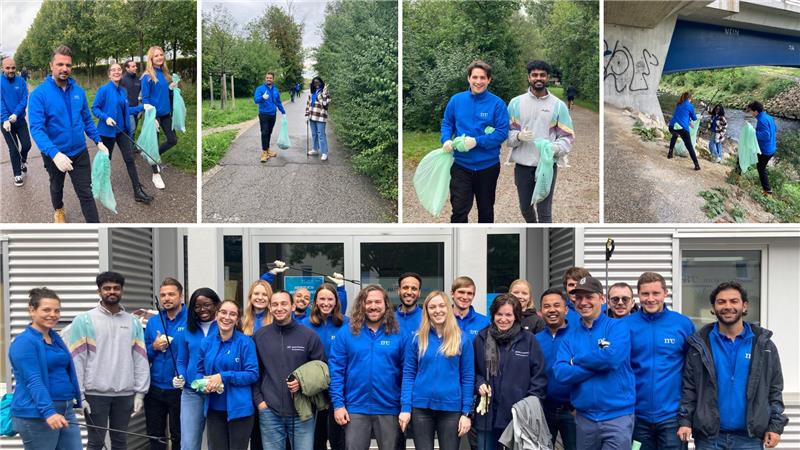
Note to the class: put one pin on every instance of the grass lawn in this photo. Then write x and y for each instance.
(245, 109)
(559, 92)
(417, 144)
(215, 146)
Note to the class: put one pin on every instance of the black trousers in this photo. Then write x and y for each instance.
(224, 435)
(81, 176)
(466, 184)
(126, 148)
(111, 412)
(763, 176)
(687, 141)
(165, 122)
(161, 405)
(525, 179)
(267, 123)
(327, 430)
(19, 144)
(444, 424)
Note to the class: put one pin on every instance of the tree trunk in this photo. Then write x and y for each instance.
(211, 88)
(233, 94)
(223, 96)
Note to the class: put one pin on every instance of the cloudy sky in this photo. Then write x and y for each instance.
(17, 16)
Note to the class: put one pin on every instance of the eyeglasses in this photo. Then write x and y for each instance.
(619, 299)
(198, 307)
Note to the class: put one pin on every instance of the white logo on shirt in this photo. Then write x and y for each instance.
(237, 359)
(484, 114)
(747, 356)
(669, 340)
(521, 354)
(386, 343)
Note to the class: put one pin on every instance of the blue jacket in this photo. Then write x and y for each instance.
(732, 366)
(189, 351)
(521, 373)
(422, 376)
(766, 133)
(593, 371)
(29, 364)
(557, 393)
(326, 331)
(683, 112)
(238, 368)
(161, 363)
(59, 118)
(469, 114)
(157, 94)
(367, 371)
(658, 348)
(270, 105)
(14, 94)
(112, 101)
(473, 323)
(409, 322)
(340, 291)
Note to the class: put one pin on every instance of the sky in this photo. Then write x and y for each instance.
(16, 16)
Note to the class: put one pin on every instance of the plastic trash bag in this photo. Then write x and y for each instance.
(101, 181)
(680, 147)
(544, 171)
(199, 385)
(283, 135)
(432, 180)
(178, 107)
(748, 147)
(148, 139)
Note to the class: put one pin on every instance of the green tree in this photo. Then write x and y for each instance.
(220, 52)
(278, 27)
(573, 39)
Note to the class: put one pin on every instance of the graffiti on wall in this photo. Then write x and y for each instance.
(628, 73)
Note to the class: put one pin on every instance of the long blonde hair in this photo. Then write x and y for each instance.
(530, 293)
(150, 69)
(249, 321)
(451, 333)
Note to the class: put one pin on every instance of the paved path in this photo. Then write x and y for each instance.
(31, 202)
(290, 188)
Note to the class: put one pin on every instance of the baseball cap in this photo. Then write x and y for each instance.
(589, 284)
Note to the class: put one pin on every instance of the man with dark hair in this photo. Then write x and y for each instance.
(475, 123)
(620, 301)
(13, 102)
(732, 380)
(59, 115)
(268, 99)
(767, 136)
(569, 281)
(409, 315)
(540, 130)
(133, 88)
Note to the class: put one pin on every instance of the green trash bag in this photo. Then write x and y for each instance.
(432, 180)
(748, 147)
(6, 423)
(199, 385)
(101, 181)
(283, 135)
(680, 147)
(148, 139)
(544, 171)
(178, 107)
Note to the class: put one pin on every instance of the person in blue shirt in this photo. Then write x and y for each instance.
(621, 303)
(13, 103)
(59, 118)
(268, 98)
(732, 380)
(477, 158)
(163, 400)
(683, 112)
(658, 347)
(439, 351)
(470, 322)
(569, 280)
(409, 314)
(157, 86)
(366, 367)
(767, 136)
(558, 410)
(256, 314)
(200, 323)
(110, 106)
(47, 385)
(229, 363)
(595, 359)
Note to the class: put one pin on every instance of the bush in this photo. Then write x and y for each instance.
(777, 86)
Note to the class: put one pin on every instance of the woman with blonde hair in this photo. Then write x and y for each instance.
(521, 289)
(157, 89)
(439, 351)
(256, 314)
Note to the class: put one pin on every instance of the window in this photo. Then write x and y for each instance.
(234, 276)
(703, 270)
(383, 262)
(502, 264)
(310, 263)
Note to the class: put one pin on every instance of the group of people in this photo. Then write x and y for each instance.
(60, 119)
(291, 370)
(476, 123)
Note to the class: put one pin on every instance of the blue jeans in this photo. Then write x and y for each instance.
(715, 148)
(37, 435)
(658, 436)
(193, 420)
(318, 140)
(614, 434)
(561, 420)
(276, 429)
(487, 440)
(729, 441)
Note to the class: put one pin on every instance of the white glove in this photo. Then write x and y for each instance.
(337, 278)
(138, 403)
(280, 267)
(148, 107)
(178, 382)
(470, 142)
(87, 408)
(448, 146)
(172, 85)
(525, 135)
(63, 163)
(265, 96)
(102, 147)
(7, 126)
(12, 118)
(158, 126)
(110, 122)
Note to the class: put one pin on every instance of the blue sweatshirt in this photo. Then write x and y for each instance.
(157, 94)
(602, 379)
(59, 118)
(112, 101)
(189, 351)
(367, 371)
(469, 114)
(683, 112)
(14, 96)
(472, 323)
(270, 105)
(28, 357)
(732, 364)
(766, 134)
(557, 393)
(237, 367)
(422, 377)
(326, 331)
(658, 347)
(161, 363)
(409, 322)
(340, 292)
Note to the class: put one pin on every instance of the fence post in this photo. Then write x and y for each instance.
(233, 96)
(211, 88)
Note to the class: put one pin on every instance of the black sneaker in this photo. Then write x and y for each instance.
(18, 181)
(24, 167)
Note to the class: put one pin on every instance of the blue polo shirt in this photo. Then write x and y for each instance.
(732, 364)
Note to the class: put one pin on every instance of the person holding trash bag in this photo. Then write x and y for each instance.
(157, 93)
(47, 386)
(13, 102)
(317, 115)
(476, 166)
(268, 99)
(683, 112)
(537, 118)
(766, 133)
(111, 108)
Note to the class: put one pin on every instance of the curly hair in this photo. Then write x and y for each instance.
(360, 311)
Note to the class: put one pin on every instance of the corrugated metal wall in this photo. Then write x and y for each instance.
(561, 253)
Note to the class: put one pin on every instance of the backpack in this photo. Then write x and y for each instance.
(6, 426)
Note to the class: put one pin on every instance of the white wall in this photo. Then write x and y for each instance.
(783, 307)
(206, 258)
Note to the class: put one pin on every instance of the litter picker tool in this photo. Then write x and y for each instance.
(166, 334)
(272, 266)
(160, 440)
(135, 144)
(609, 252)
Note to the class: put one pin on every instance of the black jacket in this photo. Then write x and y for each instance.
(699, 408)
(281, 350)
(531, 321)
(132, 85)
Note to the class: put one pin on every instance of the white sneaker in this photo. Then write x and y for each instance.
(157, 181)
(19, 181)
(324, 157)
(313, 153)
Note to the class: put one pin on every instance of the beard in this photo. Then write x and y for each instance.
(534, 85)
(737, 317)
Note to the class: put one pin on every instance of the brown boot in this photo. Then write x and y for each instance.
(59, 216)
(264, 155)
(271, 153)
